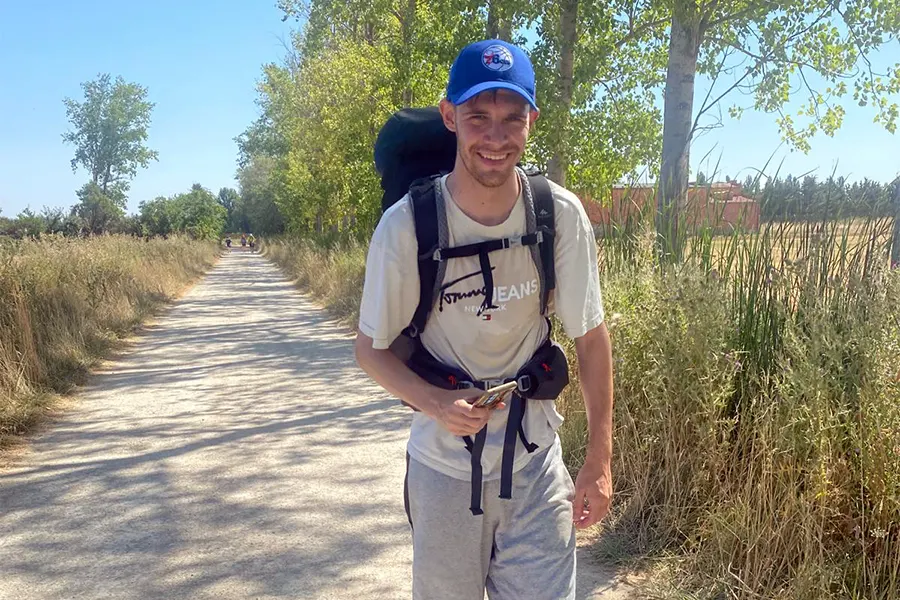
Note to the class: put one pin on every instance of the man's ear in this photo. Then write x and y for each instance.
(448, 113)
(534, 115)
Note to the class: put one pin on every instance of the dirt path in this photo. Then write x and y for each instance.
(236, 452)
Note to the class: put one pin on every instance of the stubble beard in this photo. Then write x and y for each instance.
(489, 179)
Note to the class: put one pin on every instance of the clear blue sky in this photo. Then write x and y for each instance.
(200, 61)
(859, 149)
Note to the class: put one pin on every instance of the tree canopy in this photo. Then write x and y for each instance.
(109, 131)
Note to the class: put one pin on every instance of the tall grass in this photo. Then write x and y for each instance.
(757, 445)
(758, 412)
(332, 271)
(64, 300)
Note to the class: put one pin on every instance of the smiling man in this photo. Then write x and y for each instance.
(489, 499)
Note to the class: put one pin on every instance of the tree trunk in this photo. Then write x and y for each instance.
(407, 33)
(895, 245)
(684, 45)
(106, 178)
(499, 25)
(568, 30)
(493, 20)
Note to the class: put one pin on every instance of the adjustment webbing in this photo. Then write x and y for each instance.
(477, 449)
(486, 272)
(487, 246)
(515, 428)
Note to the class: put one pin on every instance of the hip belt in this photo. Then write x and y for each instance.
(543, 377)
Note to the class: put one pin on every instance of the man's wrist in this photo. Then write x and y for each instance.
(424, 399)
(600, 450)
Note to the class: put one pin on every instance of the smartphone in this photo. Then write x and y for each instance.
(495, 395)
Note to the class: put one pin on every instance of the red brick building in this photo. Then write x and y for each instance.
(720, 206)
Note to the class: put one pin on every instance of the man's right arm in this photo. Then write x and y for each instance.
(390, 297)
(451, 408)
(393, 375)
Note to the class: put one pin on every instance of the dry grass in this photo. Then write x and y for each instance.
(758, 413)
(64, 301)
(334, 275)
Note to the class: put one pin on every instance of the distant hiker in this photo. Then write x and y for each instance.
(251, 240)
(228, 241)
(243, 240)
(461, 277)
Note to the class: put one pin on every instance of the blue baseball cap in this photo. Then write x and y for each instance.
(490, 65)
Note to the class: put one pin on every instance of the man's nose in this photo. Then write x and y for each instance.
(496, 132)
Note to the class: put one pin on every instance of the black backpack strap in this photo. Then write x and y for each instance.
(486, 247)
(544, 212)
(424, 208)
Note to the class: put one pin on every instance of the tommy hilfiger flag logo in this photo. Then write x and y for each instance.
(486, 317)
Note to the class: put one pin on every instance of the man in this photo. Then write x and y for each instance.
(522, 547)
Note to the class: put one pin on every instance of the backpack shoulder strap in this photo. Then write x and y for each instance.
(544, 212)
(422, 198)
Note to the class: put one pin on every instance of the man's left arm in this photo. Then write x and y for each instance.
(579, 306)
(593, 486)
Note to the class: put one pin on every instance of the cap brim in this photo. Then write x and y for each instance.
(494, 85)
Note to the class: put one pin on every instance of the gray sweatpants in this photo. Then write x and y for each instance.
(521, 548)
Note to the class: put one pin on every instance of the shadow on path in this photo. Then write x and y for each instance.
(236, 452)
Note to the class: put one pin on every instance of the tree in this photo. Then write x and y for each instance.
(330, 108)
(130, 225)
(158, 216)
(54, 219)
(198, 213)
(28, 224)
(110, 131)
(770, 51)
(258, 196)
(235, 213)
(895, 244)
(597, 65)
(97, 209)
(499, 20)
(357, 62)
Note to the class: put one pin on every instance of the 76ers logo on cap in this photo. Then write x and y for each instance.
(497, 58)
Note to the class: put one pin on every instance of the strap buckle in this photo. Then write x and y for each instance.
(491, 383)
(437, 255)
(524, 383)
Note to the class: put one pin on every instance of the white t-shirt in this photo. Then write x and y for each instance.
(493, 345)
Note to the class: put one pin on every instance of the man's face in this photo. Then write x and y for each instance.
(491, 131)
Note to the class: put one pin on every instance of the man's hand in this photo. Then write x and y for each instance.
(593, 486)
(593, 493)
(453, 409)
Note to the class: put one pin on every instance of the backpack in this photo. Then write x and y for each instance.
(413, 149)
